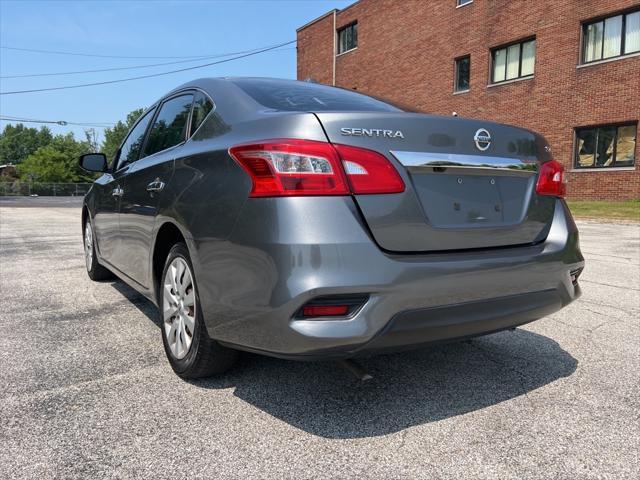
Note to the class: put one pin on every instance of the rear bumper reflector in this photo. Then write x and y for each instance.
(343, 306)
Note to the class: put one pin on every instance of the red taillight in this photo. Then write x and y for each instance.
(369, 172)
(552, 179)
(292, 168)
(325, 310)
(306, 167)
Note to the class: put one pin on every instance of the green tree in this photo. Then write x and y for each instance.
(47, 164)
(114, 136)
(42, 157)
(57, 162)
(17, 142)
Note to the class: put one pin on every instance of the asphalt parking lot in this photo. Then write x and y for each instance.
(87, 393)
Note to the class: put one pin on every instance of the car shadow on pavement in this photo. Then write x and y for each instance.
(407, 389)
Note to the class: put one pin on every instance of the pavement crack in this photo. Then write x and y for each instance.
(566, 324)
(403, 438)
(611, 285)
(628, 312)
(630, 259)
(592, 330)
(77, 386)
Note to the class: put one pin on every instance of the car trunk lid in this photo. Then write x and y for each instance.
(469, 184)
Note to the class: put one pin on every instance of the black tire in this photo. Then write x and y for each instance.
(95, 271)
(205, 357)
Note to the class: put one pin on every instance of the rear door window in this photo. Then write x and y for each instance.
(170, 126)
(131, 147)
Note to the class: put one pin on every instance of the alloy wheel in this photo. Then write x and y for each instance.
(88, 245)
(179, 307)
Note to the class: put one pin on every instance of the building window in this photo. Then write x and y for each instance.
(463, 73)
(611, 37)
(463, 2)
(606, 146)
(513, 61)
(347, 38)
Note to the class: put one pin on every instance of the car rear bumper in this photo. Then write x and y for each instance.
(250, 291)
(425, 326)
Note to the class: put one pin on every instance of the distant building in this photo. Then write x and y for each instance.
(567, 69)
(9, 172)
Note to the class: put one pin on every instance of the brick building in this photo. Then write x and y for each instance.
(569, 69)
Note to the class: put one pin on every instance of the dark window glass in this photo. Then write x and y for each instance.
(202, 105)
(611, 37)
(348, 38)
(170, 126)
(130, 150)
(513, 61)
(464, 2)
(605, 146)
(586, 147)
(604, 152)
(293, 96)
(463, 72)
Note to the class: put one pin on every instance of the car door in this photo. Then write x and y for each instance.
(127, 154)
(105, 218)
(145, 181)
(109, 192)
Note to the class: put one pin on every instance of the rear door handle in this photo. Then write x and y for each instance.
(155, 186)
(117, 192)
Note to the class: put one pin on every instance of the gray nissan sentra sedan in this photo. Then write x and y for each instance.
(310, 222)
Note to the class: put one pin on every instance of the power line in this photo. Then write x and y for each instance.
(133, 67)
(10, 118)
(97, 55)
(107, 82)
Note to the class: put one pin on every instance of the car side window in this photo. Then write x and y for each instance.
(131, 147)
(170, 126)
(202, 105)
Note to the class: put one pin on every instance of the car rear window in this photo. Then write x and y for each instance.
(309, 97)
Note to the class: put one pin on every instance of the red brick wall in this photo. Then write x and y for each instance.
(317, 55)
(406, 51)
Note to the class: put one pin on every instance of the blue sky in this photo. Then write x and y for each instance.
(136, 28)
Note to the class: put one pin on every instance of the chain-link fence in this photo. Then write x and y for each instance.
(44, 189)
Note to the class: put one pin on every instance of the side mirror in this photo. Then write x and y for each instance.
(94, 162)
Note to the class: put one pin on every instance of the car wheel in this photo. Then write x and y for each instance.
(94, 269)
(190, 350)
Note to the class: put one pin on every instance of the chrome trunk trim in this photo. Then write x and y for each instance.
(468, 164)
